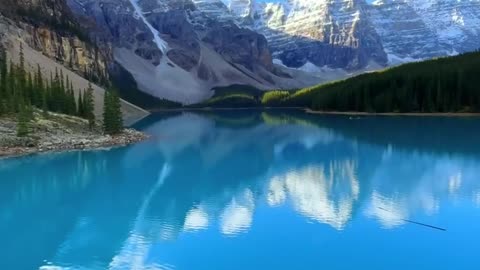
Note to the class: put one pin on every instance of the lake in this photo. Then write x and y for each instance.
(252, 190)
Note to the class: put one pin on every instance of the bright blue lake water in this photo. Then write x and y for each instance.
(252, 190)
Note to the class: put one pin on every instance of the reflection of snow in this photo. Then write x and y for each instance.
(436, 179)
(237, 216)
(454, 183)
(276, 192)
(387, 211)
(136, 247)
(51, 267)
(196, 219)
(476, 198)
(324, 195)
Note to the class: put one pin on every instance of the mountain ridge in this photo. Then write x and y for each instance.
(181, 49)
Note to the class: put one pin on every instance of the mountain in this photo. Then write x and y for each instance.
(176, 51)
(52, 37)
(337, 34)
(350, 34)
(181, 49)
(414, 29)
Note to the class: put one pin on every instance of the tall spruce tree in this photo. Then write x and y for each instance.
(45, 103)
(81, 105)
(71, 107)
(14, 96)
(112, 114)
(21, 73)
(39, 88)
(117, 112)
(89, 106)
(23, 127)
(3, 79)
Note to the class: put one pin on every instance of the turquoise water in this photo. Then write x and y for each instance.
(252, 190)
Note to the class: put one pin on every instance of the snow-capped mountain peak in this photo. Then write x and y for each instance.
(274, 43)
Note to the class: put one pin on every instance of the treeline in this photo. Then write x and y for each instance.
(274, 98)
(233, 96)
(22, 91)
(449, 84)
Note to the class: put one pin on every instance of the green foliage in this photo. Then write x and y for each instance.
(272, 98)
(23, 120)
(21, 91)
(233, 96)
(3, 83)
(88, 106)
(440, 85)
(112, 114)
(232, 101)
(81, 105)
(238, 89)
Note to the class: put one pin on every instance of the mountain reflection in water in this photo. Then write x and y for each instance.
(229, 175)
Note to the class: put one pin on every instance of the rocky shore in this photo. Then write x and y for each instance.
(59, 133)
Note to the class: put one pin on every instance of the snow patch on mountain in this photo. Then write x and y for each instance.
(161, 44)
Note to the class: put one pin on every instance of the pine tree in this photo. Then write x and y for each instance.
(62, 81)
(89, 106)
(70, 104)
(107, 113)
(112, 115)
(73, 103)
(49, 93)
(45, 104)
(13, 98)
(38, 88)
(3, 80)
(22, 122)
(21, 67)
(29, 110)
(117, 112)
(55, 93)
(81, 105)
(29, 92)
(3, 69)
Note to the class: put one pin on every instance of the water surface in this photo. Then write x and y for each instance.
(252, 190)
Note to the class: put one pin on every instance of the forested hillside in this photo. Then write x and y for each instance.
(441, 85)
(449, 84)
(21, 92)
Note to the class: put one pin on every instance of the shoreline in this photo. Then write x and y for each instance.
(224, 109)
(310, 111)
(58, 133)
(127, 137)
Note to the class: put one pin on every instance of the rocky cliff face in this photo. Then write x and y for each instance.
(385, 31)
(175, 49)
(52, 29)
(334, 33)
(414, 29)
(71, 52)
